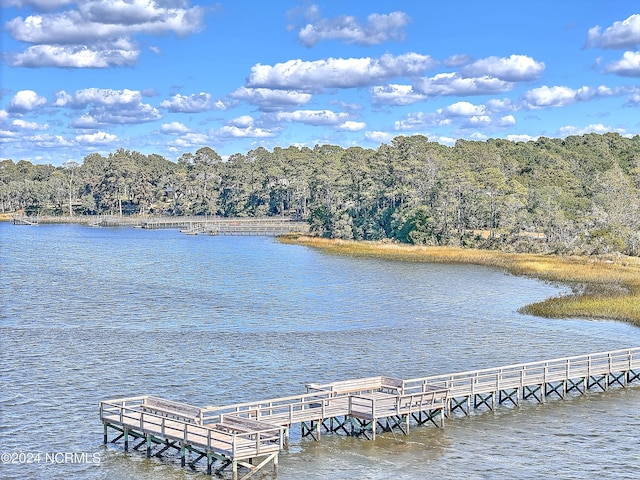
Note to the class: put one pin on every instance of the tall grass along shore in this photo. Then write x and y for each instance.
(606, 287)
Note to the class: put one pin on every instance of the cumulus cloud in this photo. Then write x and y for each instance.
(352, 126)
(269, 99)
(316, 76)
(107, 106)
(560, 96)
(24, 125)
(592, 128)
(628, 66)
(394, 94)
(97, 96)
(46, 140)
(75, 56)
(420, 121)
(173, 127)
(620, 35)
(463, 109)
(378, 137)
(516, 68)
(243, 127)
(26, 101)
(483, 77)
(98, 33)
(507, 121)
(378, 29)
(463, 115)
(521, 137)
(455, 84)
(97, 138)
(313, 117)
(189, 141)
(502, 105)
(195, 103)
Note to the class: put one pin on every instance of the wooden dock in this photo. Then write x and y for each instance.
(248, 436)
(190, 225)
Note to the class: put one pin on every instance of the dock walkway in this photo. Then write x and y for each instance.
(190, 225)
(251, 435)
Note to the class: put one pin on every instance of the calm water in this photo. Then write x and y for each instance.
(95, 313)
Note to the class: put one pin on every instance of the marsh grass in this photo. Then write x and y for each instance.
(603, 287)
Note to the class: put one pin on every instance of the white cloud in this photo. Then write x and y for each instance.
(352, 126)
(18, 123)
(173, 127)
(242, 121)
(247, 132)
(378, 29)
(523, 137)
(97, 138)
(560, 96)
(98, 96)
(463, 115)
(100, 20)
(268, 99)
(26, 101)
(454, 84)
(592, 128)
(378, 137)
(188, 141)
(4, 115)
(420, 121)
(313, 117)
(444, 140)
(74, 56)
(620, 35)
(195, 103)
(97, 33)
(243, 127)
(318, 75)
(516, 68)
(628, 66)
(545, 96)
(49, 141)
(107, 106)
(507, 121)
(394, 94)
(502, 105)
(462, 109)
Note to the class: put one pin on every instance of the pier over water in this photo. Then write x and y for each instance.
(248, 436)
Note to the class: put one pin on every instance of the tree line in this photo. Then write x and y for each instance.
(577, 195)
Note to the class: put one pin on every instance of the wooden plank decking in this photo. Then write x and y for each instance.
(252, 434)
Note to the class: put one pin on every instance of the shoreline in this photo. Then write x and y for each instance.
(604, 287)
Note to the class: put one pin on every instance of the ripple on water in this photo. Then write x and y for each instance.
(211, 320)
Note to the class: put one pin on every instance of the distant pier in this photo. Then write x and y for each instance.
(190, 225)
(248, 436)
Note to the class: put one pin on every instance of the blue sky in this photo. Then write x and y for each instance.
(172, 76)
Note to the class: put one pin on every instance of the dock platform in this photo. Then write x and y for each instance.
(248, 436)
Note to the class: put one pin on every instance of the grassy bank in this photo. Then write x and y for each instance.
(604, 287)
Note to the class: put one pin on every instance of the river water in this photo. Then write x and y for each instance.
(94, 313)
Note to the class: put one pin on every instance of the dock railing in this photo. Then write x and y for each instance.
(281, 411)
(528, 374)
(129, 413)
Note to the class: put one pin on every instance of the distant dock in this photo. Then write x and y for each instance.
(248, 436)
(190, 225)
